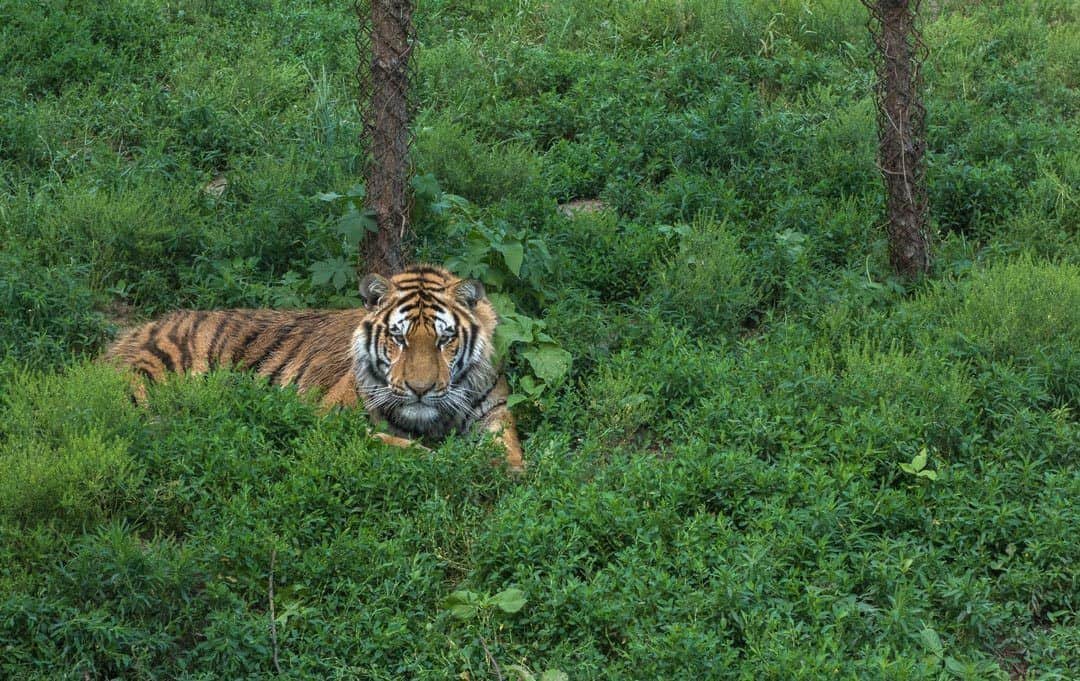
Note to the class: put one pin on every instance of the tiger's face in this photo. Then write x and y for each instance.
(424, 347)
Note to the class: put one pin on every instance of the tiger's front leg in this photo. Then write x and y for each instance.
(498, 420)
(395, 441)
(505, 429)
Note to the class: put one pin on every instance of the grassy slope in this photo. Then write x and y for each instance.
(715, 494)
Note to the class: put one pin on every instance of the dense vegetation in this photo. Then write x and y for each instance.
(771, 459)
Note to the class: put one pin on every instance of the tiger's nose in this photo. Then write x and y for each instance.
(420, 389)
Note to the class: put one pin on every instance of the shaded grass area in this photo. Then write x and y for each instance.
(716, 492)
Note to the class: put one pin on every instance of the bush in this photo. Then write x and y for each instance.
(65, 446)
(708, 285)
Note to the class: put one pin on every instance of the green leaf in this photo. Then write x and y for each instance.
(955, 666)
(554, 675)
(928, 474)
(336, 271)
(549, 362)
(513, 253)
(426, 187)
(463, 604)
(530, 386)
(919, 462)
(509, 600)
(513, 328)
(354, 224)
(463, 611)
(328, 196)
(931, 641)
(908, 468)
(515, 398)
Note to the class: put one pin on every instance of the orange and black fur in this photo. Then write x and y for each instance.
(418, 355)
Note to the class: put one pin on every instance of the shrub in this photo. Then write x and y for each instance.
(708, 285)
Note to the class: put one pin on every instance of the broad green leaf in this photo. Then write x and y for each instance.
(931, 641)
(512, 329)
(463, 611)
(502, 304)
(426, 186)
(515, 398)
(929, 474)
(531, 386)
(336, 271)
(955, 666)
(509, 600)
(354, 224)
(463, 604)
(513, 253)
(919, 462)
(328, 196)
(549, 362)
(554, 675)
(461, 596)
(908, 468)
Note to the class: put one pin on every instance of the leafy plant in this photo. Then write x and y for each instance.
(355, 221)
(464, 604)
(917, 466)
(495, 255)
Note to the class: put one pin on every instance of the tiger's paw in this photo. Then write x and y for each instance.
(395, 441)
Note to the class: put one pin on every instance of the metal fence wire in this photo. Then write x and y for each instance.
(384, 41)
(901, 130)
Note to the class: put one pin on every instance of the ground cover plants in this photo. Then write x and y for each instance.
(770, 458)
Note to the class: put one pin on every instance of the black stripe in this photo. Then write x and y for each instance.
(480, 400)
(473, 332)
(374, 371)
(144, 367)
(218, 341)
(464, 343)
(241, 348)
(151, 346)
(275, 375)
(189, 340)
(421, 285)
(373, 343)
(174, 338)
(500, 403)
(145, 373)
(303, 369)
(283, 333)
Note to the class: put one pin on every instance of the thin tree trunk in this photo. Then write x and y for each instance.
(901, 133)
(387, 127)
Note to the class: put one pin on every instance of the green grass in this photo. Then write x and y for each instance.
(715, 492)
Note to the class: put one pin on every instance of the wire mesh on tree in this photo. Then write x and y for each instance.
(385, 42)
(901, 131)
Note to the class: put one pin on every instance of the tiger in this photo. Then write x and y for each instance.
(418, 354)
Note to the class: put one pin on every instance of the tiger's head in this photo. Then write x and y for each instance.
(423, 352)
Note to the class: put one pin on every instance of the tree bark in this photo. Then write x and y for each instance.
(901, 135)
(387, 126)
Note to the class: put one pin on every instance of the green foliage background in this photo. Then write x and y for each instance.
(716, 491)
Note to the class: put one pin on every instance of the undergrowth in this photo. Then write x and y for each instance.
(769, 458)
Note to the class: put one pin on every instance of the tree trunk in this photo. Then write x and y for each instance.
(387, 126)
(901, 135)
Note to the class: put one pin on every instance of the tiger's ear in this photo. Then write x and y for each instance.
(373, 288)
(469, 291)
